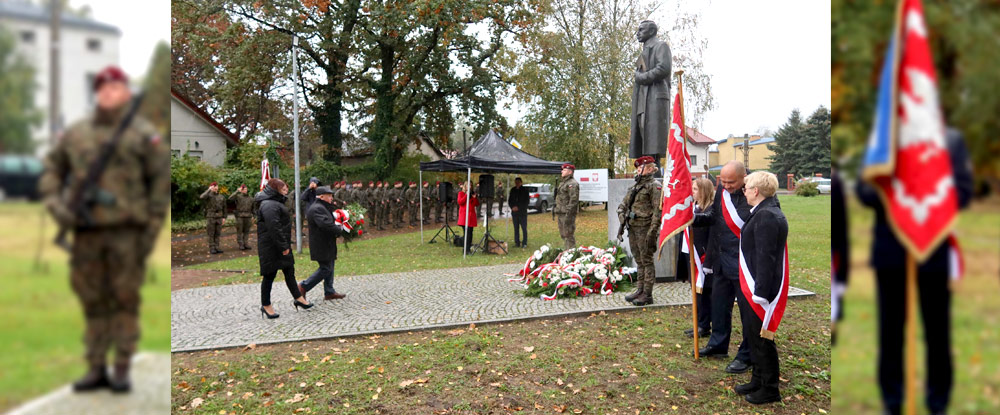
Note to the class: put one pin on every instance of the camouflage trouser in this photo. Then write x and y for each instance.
(427, 211)
(243, 230)
(383, 215)
(567, 229)
(414, 209)
(643, 247)
(397, 211)
(214, 228)
(106, 273)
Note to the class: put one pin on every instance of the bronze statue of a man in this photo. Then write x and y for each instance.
(650, 95)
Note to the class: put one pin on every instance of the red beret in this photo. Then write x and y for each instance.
(644, 160)
(569, 166)
(437, 183)
(412, 183)
(425, 183)
(371, 183)
(110, 73)
(214, 183)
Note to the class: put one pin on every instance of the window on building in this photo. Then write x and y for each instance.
(198, 154)
(694, 160)
(175, 153)
(28, 37)
(94, 45)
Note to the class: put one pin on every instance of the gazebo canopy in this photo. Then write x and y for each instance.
(493, 154)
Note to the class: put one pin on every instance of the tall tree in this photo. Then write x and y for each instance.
(17, 99)
(814, 148)
(783, 158)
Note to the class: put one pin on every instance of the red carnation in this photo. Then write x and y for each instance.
(360, 232)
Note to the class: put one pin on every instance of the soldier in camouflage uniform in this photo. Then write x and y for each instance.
(435, 203)
(426, 204)
(412, 200)
(370, 204)
(383, 206)
(215, 215)
(500, 197)
(338, 196)
(107, 264)
(244, 216)
(567, 204)
(397, 204)
(643, 227)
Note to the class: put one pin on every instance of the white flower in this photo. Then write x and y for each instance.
(544, 248)
(538, 255)
(532, 265)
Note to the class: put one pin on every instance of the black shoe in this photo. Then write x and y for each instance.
(706, 352)
(263, 312)
(635, 294)
(762, 396)
(95, 379)
(642, 300)
(701, 333)
(297, 304)
(747, 388)
(737, 366)
(120, 382)
(688, 332)
(219, 251)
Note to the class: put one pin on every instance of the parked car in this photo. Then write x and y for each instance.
(540, 197)
(19, 176)
(823, 185)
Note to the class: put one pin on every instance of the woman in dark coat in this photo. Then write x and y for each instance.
(763, 278)
(274, 245)
(704, 194)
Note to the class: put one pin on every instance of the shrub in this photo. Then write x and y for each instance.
(189, 177)
(806, 188)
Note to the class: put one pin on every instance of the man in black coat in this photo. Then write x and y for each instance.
(762, 242)
(322, 243)
(723, 248)
(888, 257)
(518, 202)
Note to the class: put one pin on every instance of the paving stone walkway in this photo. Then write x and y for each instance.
(150, 394)
(229, 316)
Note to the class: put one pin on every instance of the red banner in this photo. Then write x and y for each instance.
(678, 201)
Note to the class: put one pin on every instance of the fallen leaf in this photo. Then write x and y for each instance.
(297, 398)
(196, 402)
(250, 346)
(657, 345)
(529, 349)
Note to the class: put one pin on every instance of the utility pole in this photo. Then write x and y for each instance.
(295, 138)
(54, 46)
(746, 151)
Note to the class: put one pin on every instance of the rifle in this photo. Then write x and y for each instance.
(629, 214)
(84, 195)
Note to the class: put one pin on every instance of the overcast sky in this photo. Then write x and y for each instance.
(143, 24)
(766, 58)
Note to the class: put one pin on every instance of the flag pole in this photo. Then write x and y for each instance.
(692, 268)
(911, 335)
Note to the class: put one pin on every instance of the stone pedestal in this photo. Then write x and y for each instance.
(666, 265)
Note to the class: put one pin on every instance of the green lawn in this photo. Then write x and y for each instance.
(42, 322)
(404, 252)
(636, 362)
(975, 318)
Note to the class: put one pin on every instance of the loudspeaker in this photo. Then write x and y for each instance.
(444, 192)
(486, 186)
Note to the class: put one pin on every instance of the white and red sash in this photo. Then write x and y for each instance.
(956, 264)
(769, 310)
(698, 259)
(729, 213)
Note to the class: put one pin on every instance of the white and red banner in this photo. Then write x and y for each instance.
(678, 202)
(699, 257)
(265, 173)
(907, 159)
(769, 310)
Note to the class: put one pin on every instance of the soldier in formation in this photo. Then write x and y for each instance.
(567, 204)
(641, 208)
(244, 216)
(215, 216)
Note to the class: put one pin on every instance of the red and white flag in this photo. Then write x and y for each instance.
(678, 201)
(907, 159)
(265, 173)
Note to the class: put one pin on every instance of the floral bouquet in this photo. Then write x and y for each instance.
(352, 219)
(552, 273)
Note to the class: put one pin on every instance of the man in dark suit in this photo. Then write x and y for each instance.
(888, 257)
(323, 233)
(724, 244)
(762, 245)
(518, 202)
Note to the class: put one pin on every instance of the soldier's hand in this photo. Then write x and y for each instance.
(285, 252)
(621, 233)
(62, 215)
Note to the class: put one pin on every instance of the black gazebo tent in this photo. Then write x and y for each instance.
(491, 154)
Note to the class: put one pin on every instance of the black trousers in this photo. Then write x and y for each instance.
(935, 308)
(520, 219)
(265, 284)
(724, 292)
(763, 352)
(704, 299)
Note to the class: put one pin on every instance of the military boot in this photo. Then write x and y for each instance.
(120, 382)
(638, 289)
(95, 379)
(646, 297)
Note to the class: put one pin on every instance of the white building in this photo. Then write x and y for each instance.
(86, 46)
(195, 133)
(698, 148)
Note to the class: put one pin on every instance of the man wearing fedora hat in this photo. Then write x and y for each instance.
(323, 233)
